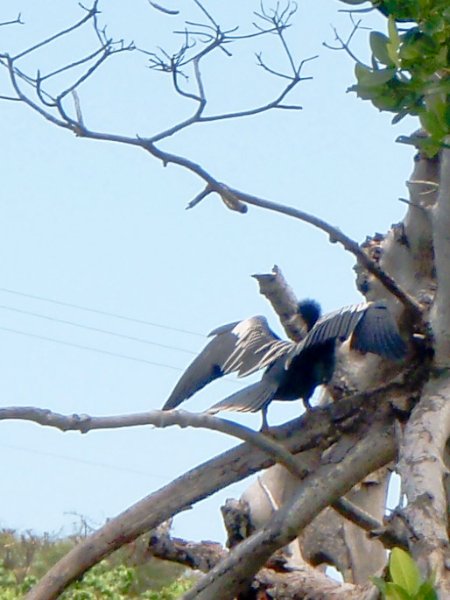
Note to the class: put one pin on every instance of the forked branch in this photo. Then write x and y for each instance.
(277, 21)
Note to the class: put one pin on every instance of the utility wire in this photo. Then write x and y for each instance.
(100, 351)
(99, 312)
(81, 460)
(96, 329)
(81, 347)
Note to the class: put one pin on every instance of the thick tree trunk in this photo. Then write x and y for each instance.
(407, 253)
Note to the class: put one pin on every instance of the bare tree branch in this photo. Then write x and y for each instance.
(356, 515)
(231, 576)
(279, 579)
(12, 98)
(157, 418)
(319, 427)
(89, 15)
(16, 21)
(345, 44)
(201, 556)
(234, 199)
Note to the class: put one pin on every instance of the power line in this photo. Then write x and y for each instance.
(81, 347)
(99, 312)
(81, 460)
(96, 329)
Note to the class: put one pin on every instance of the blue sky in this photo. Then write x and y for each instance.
(105, 227)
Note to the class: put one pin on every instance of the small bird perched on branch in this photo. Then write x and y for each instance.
(293, 370)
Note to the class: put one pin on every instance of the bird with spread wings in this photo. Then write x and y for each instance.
(292, 370)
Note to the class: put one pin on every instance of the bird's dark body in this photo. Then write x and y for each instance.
(306, 371)
(292, 370)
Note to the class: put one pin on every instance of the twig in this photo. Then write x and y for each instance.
(16, 21)
(90, 14)
(163, 9)
(345, 45)
(11, 98)
(199, 197)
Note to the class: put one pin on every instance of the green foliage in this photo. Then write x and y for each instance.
(410, 70)
(119, 584)
(128, 573)
(405, 580)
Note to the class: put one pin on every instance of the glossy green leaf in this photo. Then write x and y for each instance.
(394, 42)
(417, 45)
(396, 592)
(426, 591)
(429, 147)
(373, 77)
(431, 123)
(378, 45)
(393, 33)
(404, 571)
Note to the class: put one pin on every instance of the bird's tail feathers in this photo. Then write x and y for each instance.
(251, 399)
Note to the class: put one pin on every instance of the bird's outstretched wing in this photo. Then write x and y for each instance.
(377, 332)
(335, 325)
(245, 346)
(250, 399)
(371, 326)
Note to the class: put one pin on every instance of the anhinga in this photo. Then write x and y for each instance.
(293, 370)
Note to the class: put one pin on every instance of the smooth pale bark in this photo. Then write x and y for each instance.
(440, 315)
(423, 447)
(423, 474)
(329, 482)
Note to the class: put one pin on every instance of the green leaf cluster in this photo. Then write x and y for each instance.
(128, 573)
(101, 582)
(410, 65)
(104, 582)
(405, 581)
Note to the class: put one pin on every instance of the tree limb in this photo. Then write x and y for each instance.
(281, 581)
(329, 482)
(284, 302)
(158, 418)
(423, 472)
(319, 427)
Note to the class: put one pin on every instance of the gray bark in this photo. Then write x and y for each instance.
(410, 252)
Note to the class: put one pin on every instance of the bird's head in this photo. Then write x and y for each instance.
(310, 312)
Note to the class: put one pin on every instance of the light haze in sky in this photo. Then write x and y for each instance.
(103, 226)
